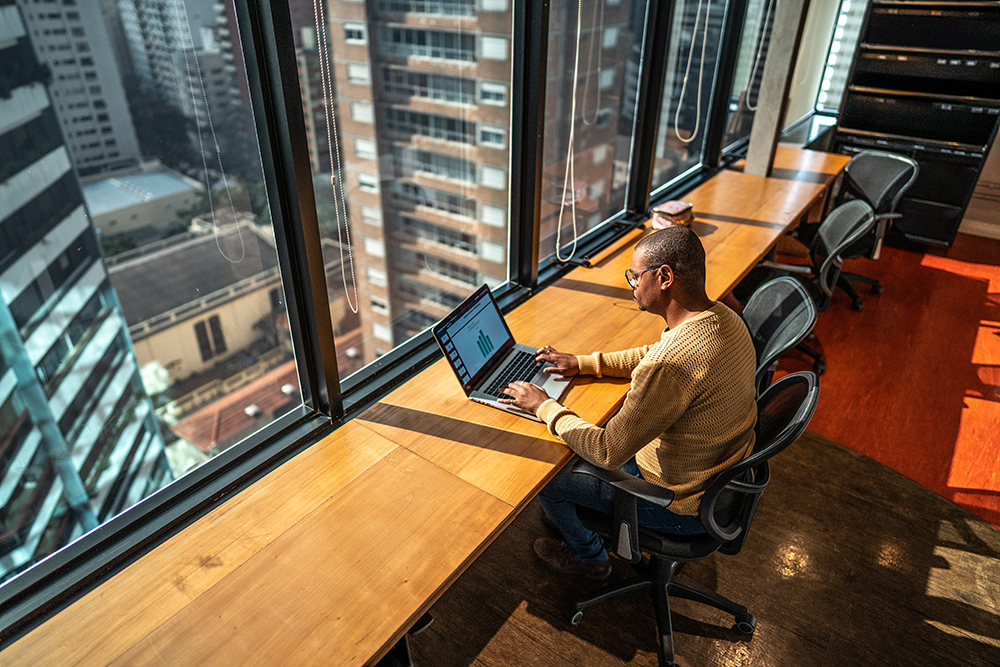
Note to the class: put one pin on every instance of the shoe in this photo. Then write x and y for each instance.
(556, 554)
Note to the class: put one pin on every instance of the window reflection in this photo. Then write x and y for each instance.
(592, 76)
(141, 319)
(412, 182)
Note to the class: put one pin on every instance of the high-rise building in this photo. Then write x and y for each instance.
(422, 95)
(78, 438)
(86, 84)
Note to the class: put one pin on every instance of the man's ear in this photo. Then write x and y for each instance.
(667, 276)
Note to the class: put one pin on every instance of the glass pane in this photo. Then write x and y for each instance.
(594, 57)
(749, 72)
(406, 106)
(692, 60)
(142, 324)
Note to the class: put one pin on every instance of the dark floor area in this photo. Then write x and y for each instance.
(848, 563)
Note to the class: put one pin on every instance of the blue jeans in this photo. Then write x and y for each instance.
(561, 496)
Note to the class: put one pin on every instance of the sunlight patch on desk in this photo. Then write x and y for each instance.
(974, 466)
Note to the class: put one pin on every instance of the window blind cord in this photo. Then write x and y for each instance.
(330, 113)
(701, 76)
(201, 141)
(760, 49)
(570, 154)
(600, 60)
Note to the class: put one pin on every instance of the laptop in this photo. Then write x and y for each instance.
(481, 351)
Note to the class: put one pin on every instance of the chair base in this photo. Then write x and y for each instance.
(660, 582)
(844, 282)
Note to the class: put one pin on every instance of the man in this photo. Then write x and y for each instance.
(690, 411)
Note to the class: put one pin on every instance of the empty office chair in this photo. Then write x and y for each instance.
(842, 227)
(726, 511)
(779, 315)
(881, 179)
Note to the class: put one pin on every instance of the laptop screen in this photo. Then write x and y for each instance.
(472, 336)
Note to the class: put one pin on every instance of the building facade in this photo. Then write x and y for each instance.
(73, 41)
(76, 427)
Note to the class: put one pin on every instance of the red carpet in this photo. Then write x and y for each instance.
(913, 381)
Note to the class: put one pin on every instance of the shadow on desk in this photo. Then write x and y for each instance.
(455, 430)
(701, 228)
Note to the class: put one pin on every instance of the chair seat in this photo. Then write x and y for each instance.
(672, 547)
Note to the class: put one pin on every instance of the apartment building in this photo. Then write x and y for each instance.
(73, 41)
(78, 438)
(422, 104)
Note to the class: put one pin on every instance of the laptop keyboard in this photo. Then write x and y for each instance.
(521, 367)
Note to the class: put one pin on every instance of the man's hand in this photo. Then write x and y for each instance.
(562, 363)
(524, 395)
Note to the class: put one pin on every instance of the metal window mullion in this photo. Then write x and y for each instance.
(655, 51)
(266, 37)
(530, 53)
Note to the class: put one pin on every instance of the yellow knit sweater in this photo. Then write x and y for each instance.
(689, 413)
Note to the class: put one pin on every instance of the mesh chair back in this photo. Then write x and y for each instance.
(730, 502)
(846, 224)
(879, 178)
(779, 315)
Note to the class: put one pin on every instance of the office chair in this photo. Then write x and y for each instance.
(727, 508)
(779, 315)
(842, 227)
(880, 179)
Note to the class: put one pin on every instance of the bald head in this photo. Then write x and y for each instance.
(681, 250)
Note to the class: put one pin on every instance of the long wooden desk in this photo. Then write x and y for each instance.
(330, 558)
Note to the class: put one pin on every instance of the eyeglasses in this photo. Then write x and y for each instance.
(632, 278)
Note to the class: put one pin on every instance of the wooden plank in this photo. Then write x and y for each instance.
(342, 585)
(107, 622)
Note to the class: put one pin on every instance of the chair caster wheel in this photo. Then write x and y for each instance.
(857, 306)
(877, 289)
(819, 367)
(746, 625)
(574, 616)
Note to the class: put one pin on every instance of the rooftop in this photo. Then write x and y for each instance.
(119, 192)
(153, 284)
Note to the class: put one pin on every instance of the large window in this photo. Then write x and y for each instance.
(594, 60)
(140, 306)
(688, 88)
(415, 202)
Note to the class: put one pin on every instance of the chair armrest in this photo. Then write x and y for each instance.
(627, 490)
(791, 268)
(888, 216)
(635, 486)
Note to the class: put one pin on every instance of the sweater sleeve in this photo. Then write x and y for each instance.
(633, 427)
(612, 364)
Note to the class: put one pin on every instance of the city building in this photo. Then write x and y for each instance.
(79, 440)
(143, 205)
(73, 41)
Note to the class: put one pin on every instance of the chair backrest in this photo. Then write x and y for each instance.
(728, 506)
(779, 315)
(846, 224)
(881, 179)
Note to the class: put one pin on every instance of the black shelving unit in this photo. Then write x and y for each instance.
(925, 82)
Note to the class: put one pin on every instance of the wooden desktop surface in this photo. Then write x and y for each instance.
(331, 557)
